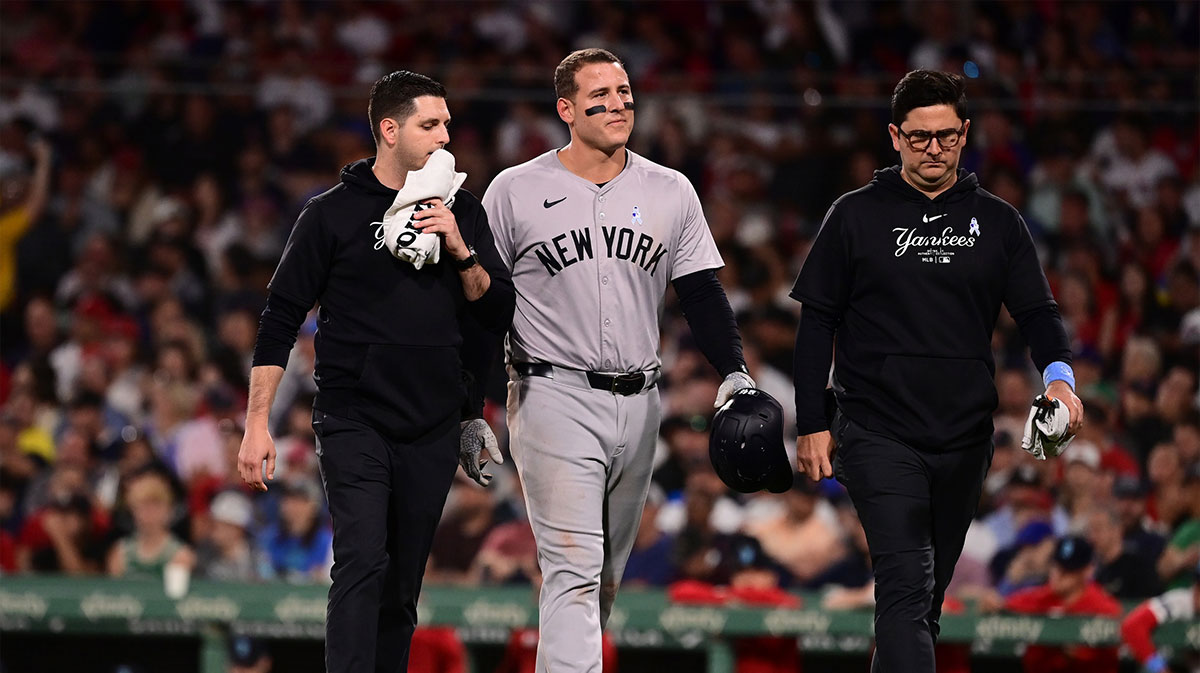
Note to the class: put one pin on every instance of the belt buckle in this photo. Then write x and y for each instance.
(637, 379)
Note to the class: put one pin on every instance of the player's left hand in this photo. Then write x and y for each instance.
(732, 383)
(438, 219)
(476, 437)
(1059, 390)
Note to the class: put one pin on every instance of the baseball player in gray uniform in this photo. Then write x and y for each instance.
(592, 233)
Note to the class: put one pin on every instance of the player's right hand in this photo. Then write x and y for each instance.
(813, 455)
(257, 446)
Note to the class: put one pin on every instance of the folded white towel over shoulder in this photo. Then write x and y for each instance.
(437, 180)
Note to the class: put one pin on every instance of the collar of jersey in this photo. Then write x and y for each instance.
(630, 156)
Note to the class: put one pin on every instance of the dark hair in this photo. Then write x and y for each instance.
(565, 85)
(394, 95)
(923, 88)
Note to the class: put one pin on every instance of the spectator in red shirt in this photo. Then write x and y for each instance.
(1069, 591)
(1137, 629)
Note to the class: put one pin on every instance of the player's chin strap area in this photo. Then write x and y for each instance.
(628, 383)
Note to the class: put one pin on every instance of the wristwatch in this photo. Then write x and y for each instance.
(464, 264)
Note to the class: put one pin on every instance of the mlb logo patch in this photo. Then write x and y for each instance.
(637, 217)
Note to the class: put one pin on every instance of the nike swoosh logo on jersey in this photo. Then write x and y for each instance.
(548, 203)
(927, 219)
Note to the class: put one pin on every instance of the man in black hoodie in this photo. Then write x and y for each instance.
(393, 388)
(908, 274)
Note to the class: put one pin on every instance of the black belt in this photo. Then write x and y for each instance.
(618, 384)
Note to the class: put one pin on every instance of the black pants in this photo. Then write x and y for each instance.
(385, 499)
(915, 507)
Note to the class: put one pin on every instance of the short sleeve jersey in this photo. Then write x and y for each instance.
(591, 262)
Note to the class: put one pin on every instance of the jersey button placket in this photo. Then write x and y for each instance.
(606, 345)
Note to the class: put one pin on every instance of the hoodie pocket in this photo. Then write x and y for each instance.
(418, 386)
(936, 403)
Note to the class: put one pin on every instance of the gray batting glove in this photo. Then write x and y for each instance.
(732, 383)
(477, 436)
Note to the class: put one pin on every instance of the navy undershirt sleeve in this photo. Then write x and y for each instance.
(711, 320)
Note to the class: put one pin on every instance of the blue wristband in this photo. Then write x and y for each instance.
(1058, 371)
(1156, 664)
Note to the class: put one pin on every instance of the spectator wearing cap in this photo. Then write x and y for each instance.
(1119, 570)
(248, 655)
(1129, 502)
(1183, 549)
(1022, 500)
(300, 544)
(1137, 629)
(1069, 591)
(230, 554)
(1026, 562)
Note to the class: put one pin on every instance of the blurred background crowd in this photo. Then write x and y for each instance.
(153, 156)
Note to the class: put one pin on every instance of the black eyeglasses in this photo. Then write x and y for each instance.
(919, 140)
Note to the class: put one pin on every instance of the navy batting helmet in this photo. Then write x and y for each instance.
(746, 444)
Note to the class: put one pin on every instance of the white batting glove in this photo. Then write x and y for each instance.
(732, 383)
(1045, 433)
(477, 436)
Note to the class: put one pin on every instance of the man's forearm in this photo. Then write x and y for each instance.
(264, 381)
(475, 282)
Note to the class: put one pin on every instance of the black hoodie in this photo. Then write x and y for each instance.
(389, 335)
(914, 286)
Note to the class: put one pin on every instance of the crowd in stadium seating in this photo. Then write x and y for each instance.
(154, 155)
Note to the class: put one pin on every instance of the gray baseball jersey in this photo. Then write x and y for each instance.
(590, 265)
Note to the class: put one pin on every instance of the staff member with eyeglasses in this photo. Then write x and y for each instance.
(906, 277)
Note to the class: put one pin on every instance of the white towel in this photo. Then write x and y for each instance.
(437, 180)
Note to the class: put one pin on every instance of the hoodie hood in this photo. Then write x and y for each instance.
(891, 179)
(360, 177)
